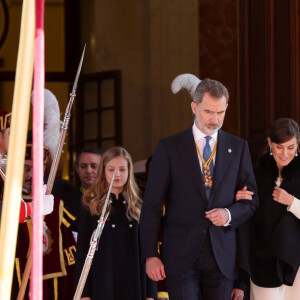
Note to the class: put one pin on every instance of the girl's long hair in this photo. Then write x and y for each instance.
(94, 197)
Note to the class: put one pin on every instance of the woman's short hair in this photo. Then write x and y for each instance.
(283, 130)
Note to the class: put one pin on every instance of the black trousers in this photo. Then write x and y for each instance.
(204, 281)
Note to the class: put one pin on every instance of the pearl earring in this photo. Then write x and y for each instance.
(296, 154)
(271, 151)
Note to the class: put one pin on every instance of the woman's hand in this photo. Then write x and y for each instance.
(237, 294)
(282, 196)
(243, 194)
(86, 298)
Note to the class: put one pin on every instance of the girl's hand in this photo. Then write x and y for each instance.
(243, 194)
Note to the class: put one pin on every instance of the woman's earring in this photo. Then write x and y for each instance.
(296, 153)
(271, 151)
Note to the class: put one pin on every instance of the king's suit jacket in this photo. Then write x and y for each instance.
(175, 175)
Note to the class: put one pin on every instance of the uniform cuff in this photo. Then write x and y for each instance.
(228, 223)
(295, 208)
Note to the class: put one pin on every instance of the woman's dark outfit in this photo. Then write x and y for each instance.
(270, 243)
(116, 272)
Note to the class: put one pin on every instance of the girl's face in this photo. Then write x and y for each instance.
(283, 153)
(119, 164)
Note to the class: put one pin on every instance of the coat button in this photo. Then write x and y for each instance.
(130, 225)
(113, 225)
(203, 230)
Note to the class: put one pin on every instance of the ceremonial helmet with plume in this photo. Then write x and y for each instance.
(186, 81)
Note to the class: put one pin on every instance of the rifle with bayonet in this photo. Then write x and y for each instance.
(63, 131)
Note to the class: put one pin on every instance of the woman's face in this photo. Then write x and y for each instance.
(283, 153)
(119, 164)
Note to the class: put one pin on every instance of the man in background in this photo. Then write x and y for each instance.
(87, 164)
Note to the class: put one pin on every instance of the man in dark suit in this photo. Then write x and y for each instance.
(198, 171)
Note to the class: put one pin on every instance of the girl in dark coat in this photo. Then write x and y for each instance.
(116, 272)
(272, 256)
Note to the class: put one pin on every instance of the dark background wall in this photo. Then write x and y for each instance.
(269, 66)
(253, 48)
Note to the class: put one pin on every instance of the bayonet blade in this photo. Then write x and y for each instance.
(78, 70)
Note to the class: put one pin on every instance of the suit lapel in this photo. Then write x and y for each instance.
(223, 157)
(190, 159)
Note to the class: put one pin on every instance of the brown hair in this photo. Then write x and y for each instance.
(215, 88)
(95, 196)
(284, 129)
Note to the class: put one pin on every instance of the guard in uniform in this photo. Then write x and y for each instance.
(59, 246)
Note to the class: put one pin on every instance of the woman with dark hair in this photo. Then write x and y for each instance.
(116, 272)
(272, 256)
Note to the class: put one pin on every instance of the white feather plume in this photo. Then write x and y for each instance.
(52, 121)
(187, 81)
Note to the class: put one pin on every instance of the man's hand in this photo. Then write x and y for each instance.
(218, 216)
(237, 294)
(243, 194)
(282, 196)
(155, 269)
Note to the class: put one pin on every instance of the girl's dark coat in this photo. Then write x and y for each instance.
(117, 271)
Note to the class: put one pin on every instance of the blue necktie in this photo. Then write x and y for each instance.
(206, 155)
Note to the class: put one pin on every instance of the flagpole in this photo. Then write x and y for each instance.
(36, 282)
(16, 149)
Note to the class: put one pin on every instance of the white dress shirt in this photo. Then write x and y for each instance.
(199, 138)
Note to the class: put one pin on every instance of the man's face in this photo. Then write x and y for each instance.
(27, 178)
(210, 113)
(87, 168)
(4, 138)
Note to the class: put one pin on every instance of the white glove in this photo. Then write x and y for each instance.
(48, 202)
